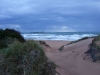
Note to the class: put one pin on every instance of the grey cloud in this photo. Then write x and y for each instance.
(38, 14)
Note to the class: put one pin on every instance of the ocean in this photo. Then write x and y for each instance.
(69, 36)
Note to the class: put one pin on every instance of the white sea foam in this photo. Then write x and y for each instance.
(71, 37)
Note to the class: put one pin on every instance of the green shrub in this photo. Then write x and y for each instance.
(8, 36)
(13, 34)
(25, 59)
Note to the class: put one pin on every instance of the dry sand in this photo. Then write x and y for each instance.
(70, 61)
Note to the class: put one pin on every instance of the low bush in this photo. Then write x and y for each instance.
(25, 59)
(8, 36)
(12, 34)
(21, 57)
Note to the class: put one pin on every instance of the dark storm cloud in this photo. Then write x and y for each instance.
(50, 15)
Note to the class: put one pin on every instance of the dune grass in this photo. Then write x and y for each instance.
(21, 57)
(25, 59)
(94, 50)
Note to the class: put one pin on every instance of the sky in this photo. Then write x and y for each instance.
(50, 15)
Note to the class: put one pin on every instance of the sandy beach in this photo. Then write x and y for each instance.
(70, 61)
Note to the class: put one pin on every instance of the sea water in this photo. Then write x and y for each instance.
(69, 36)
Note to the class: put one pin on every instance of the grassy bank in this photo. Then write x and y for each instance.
(94, 50)
(20, 57)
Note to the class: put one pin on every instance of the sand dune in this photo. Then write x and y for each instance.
(70, 61)
(56, 44)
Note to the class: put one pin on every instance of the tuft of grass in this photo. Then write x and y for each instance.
(25, 59)
(61, 48)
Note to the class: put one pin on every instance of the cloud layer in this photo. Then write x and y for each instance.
(55, 15)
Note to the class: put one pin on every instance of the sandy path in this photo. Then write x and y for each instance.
(70, 60)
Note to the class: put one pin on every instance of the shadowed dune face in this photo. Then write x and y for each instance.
(94, 50)
(44, 43)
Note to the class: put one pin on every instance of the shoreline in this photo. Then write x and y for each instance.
(64, 36)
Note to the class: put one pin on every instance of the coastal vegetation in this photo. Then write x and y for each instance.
(8, 36)
(11, 33)
(94, 50)
(21, 57)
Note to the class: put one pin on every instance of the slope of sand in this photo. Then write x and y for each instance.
(56, 44)
(70, 61)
